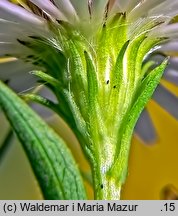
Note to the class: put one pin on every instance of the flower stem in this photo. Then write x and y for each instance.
(109, 189)
(108, 180)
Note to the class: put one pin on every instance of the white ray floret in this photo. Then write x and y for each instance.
(123, 4)
(67, 9)
(132, 4)
(168, 8)
(11, 12)
(49, 8)
(81, 9)
(170, 46)
(170, 31)
(98, 9)
(143, 8)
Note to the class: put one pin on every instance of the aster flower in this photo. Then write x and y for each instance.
(96, 58)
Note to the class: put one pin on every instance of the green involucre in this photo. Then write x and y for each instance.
(101, 86)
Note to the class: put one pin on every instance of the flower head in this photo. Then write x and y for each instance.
(101, 28)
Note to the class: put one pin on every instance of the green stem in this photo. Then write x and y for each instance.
(108, 181)
(110, 188)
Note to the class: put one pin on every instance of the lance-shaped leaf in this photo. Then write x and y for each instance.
(51, 160)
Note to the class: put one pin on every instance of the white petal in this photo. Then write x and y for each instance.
(42, 111)
(81, 8)
(13, 68)
(13, 30)
(8, 48)
(6, 38)
(18, 30)
(171, 75)
(171, 46)
(142, 25)
(171, 30)
(123, 4)
(166, 8)
(171, 72)
(23, 82)
(8, 27)
(98, 10)
(144, 128)
(143, 8)
(114, 8)
(17, 74)
(66, 8)
(166, 100)
(168, 31)
(49, 8)
(174, 62)
(16, 13)
(132, 4)
(13, 49)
